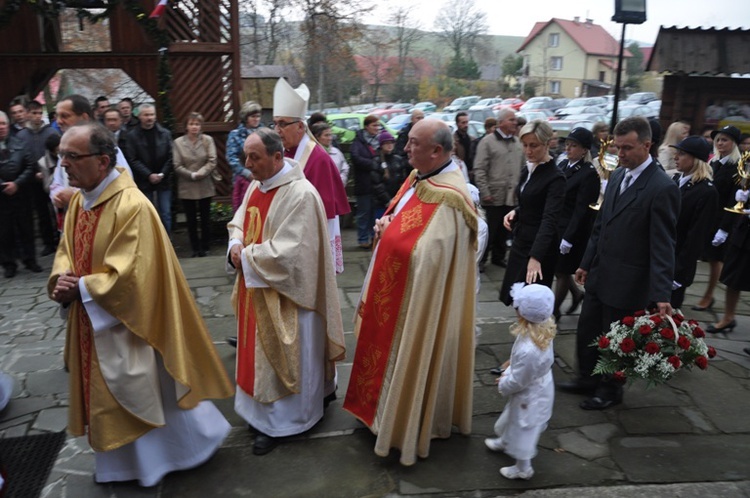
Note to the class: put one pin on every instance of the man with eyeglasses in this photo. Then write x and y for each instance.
(16, 225)
(71, 110)
(139, 373)
(289, 109)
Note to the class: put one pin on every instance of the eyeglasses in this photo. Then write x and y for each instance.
(283, 124)
(72, 156)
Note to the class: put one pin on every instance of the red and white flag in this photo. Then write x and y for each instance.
(159, 9)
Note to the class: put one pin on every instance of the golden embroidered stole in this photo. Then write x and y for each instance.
(385, 297)
(85, 230)
(257, 211)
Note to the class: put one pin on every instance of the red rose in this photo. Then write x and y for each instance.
(678, 319)
(603, 342)
(698, 333)
(628, 321)
(619, 377)
(692, 322)
(656, 319)
(683, 342)
(711, 352)
(674, 361)
(639, 313)
(652, 348)
(702, 362)
(627, 345)
(668, 334)
(645, 329)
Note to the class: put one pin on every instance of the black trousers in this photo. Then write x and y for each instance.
(16, 229)
(497, 234)
(46, 220)
(192, 207)
(595, 320)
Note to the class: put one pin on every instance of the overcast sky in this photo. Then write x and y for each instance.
(517, 17)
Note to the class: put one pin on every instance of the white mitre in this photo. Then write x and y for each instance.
(288, 101)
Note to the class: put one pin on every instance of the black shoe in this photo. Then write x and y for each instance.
(48, 250)
(201, 254)
(597, 403)
(747, 350)
(264, 444)
(575, 304)
(497, 371)
(34, 267)
(729, 327)
(232, 341)
(704, 308)
(329, 399)
(194, 255)
(556, 314)
(578, 386)
(10, 272)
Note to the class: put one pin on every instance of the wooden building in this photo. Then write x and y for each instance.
(706, 80)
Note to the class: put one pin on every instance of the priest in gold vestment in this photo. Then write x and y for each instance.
(413, 369)
(140, 358)
(289, 330)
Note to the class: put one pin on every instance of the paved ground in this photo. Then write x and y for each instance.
(690, 438)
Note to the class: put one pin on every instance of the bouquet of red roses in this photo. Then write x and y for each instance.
(652, 348)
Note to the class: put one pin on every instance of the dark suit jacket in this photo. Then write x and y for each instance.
(535, 231)
(630, 256)
(581, 190)
(136, 153)
(697, 211)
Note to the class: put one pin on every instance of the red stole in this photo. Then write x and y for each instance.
(255, 217)
(381, 313)
(83, 249)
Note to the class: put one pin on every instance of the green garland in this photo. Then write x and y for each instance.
(51, 10)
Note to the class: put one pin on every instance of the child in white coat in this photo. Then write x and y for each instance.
(527, 380)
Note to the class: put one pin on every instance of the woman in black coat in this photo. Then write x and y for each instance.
(724, 166)
(577, 218)
(540, 194)
(697, 210)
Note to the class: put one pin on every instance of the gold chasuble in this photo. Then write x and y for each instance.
(412, 375)
(129, 268)
(285, 235)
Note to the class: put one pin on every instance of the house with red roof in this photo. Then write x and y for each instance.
(379, 72)
(571, 58)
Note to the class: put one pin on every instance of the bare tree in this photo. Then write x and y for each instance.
(407, 33)
(460, 24)
(265, 33)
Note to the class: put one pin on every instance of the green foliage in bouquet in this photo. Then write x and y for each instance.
(221, 213)
(652, 348)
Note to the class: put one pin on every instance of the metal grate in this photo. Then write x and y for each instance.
(27, 461)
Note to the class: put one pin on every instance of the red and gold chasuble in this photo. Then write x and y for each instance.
(85, 230)
(385, 297)
(255, 216)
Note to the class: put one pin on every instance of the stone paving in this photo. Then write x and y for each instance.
(690, 438)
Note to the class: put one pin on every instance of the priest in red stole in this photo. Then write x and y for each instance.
(140, 358)
(289, 329)
(413, 369)
(289, 110)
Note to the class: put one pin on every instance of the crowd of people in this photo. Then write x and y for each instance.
(433, 206)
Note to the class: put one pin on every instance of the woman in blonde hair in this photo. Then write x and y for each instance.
(697, 209)
(676, 132)
(724, 167)
(526, 380)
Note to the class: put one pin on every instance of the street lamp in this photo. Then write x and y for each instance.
(626, 12)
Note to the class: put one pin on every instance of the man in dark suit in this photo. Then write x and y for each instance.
(629, 260)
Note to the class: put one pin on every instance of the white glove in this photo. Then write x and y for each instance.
(604, 186)
(192, 175)
(676, 285)
(719, 238)
(384, 165)
(565, 246)
(742, 195)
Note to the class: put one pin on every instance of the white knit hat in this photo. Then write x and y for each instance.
(534, 302)
(288, 101)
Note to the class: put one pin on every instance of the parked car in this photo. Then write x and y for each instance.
(403, 105)
(587, 102)
(386, 114)
(345, 126)
(536, 103)
(629, 111)
(641, 98)
(461, 104)
(513, 103)
(425, 107)
(448, 117)
(485, 104)
(535, 114)
(399, 122)
(568, 112)
(655, 105)
(476, 129)
(481, 114)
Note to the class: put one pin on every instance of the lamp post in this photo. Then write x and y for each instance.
(626, 12)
